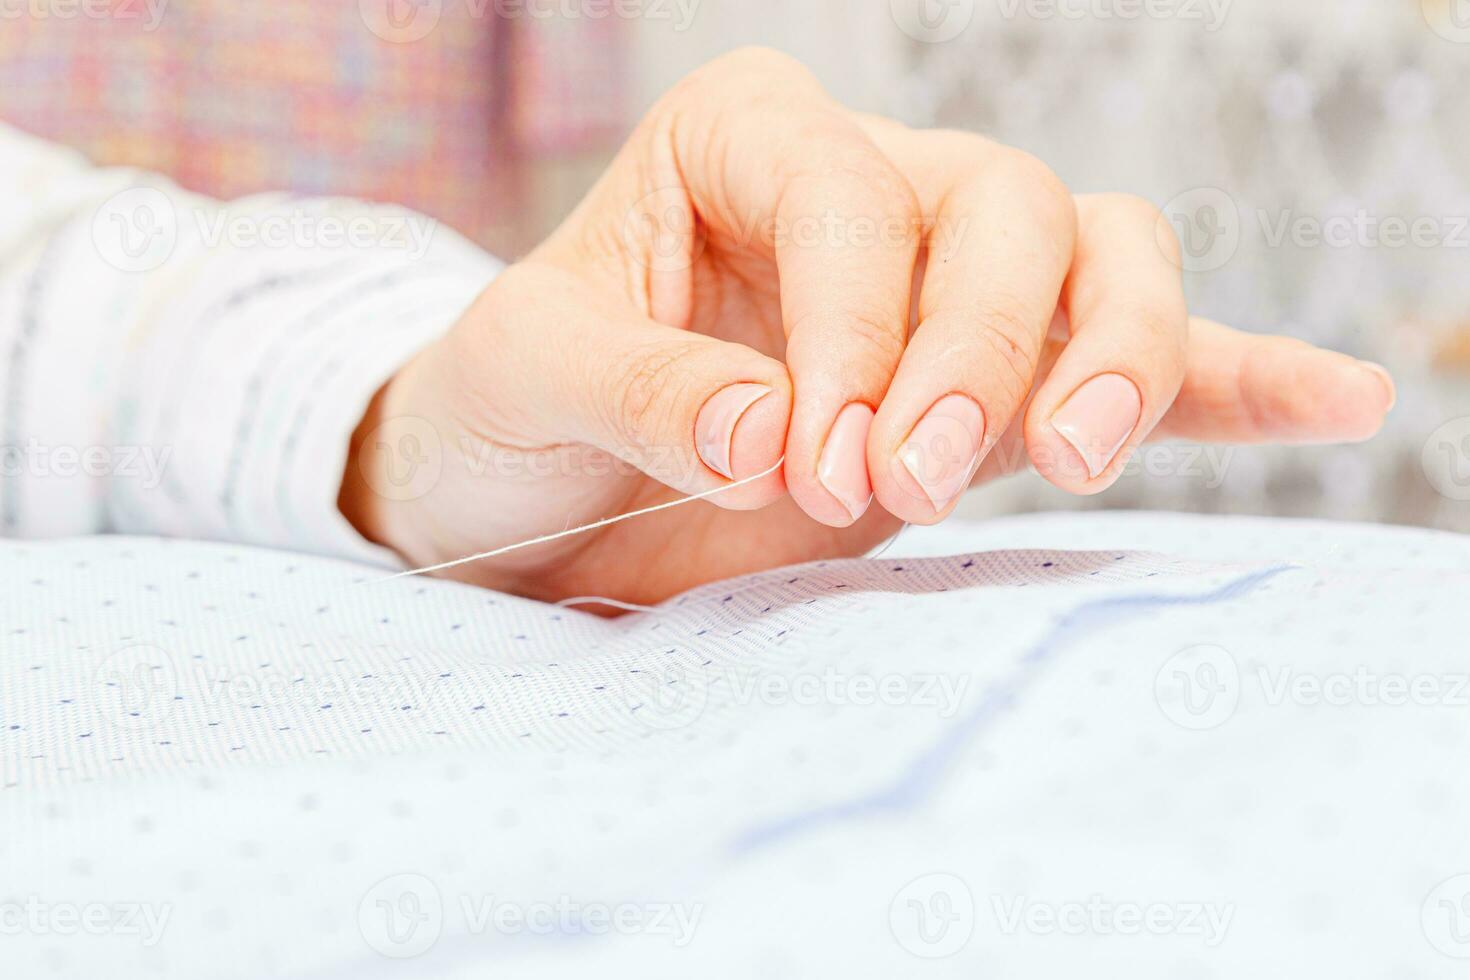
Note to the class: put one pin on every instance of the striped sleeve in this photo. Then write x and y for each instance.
(175, 365)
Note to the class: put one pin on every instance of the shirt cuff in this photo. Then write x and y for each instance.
(255, 385)
(306, 444)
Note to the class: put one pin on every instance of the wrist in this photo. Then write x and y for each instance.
(357, 500)
(394, 460)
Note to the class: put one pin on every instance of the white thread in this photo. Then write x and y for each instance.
(597, 600)
(889, 543)
(571, 532)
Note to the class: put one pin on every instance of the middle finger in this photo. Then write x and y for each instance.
(999, 247)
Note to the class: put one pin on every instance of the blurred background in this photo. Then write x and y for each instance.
(1314, 155)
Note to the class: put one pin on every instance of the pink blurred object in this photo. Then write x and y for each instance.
(342, 98)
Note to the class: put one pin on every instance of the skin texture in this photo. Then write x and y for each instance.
(753, 231)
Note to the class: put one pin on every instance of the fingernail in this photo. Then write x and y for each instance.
(843, 468)
(714, 431)
(943, 450)
(1386, 379)
(1098, 419)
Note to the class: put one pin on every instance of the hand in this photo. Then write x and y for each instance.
(762, 273)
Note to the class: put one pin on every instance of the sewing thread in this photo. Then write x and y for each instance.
(573, 532)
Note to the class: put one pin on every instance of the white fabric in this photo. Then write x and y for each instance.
(175, 365)
(243, 763)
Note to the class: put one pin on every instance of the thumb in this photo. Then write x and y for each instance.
(571, 363)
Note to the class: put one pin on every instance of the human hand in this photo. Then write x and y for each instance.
(762, 273)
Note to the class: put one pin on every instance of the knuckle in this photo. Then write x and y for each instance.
(997, 342)
(1042, 188)
(881, 338)
(1169, 330)
(1262, 413)
(857, 179)
(647, 387)
(1168, 238)
(1127, 211)
(747, 80)
(1128, 208)
(877, 340)
(1165, 325)
(1140, 216)
(1012, 344)
(959, 144)
(1154, 341)
(767, 66)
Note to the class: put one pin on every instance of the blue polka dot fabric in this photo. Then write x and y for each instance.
(1135, 745)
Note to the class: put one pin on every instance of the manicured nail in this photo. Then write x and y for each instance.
(714, 432)
(1098, 419)
(1386, 379)
(943, 450)
(843, 468)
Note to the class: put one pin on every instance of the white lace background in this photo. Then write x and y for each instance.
(1302, 116)
(1275, 123)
